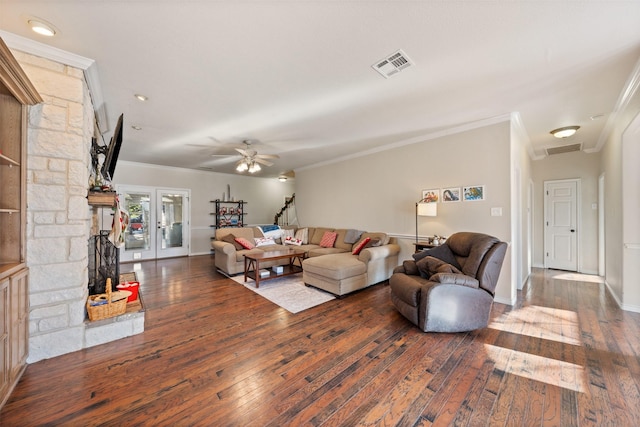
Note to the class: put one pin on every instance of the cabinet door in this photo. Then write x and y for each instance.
(19, 344)
(4, 338)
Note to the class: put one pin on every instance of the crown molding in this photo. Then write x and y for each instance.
(628, 92)
(45, 51)
(521, 131)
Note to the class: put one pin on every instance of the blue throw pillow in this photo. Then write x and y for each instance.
(442, 252)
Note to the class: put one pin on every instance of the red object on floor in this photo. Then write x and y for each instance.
(131, 287)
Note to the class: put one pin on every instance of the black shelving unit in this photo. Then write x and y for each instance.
(228, 214)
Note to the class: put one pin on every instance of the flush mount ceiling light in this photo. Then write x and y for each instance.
(41, 27)
(564, 132)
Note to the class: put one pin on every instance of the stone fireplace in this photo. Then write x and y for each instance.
(58, 215)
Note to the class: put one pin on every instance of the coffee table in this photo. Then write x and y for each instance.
(252, 264)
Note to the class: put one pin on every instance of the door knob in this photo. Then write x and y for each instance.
(573, 231)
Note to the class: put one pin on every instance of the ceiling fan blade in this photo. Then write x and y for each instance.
(267, 156)
(262, 161)
(243, 152)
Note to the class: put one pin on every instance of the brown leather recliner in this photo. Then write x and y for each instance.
(450, 299)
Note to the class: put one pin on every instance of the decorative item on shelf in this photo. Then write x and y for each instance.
(425, 209)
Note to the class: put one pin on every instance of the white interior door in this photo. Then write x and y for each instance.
(561, 225)
(158, 222)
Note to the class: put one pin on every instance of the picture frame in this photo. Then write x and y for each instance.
(473, 193)
(430, 196)
(451, 194)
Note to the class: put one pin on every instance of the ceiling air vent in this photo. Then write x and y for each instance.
(393, 64)
(563, 149)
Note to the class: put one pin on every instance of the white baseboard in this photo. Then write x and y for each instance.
(505, 301)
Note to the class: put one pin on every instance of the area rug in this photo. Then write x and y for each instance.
(288, 292)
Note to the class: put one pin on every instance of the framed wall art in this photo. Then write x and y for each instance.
(430, 196)
(451, 194)
(473, 193)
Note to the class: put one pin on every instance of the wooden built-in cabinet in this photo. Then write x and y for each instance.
(16, 94)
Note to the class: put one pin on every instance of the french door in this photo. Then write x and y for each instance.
(158, 222)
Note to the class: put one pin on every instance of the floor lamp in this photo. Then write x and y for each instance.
(425, 209)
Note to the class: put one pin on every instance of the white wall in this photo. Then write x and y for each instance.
(574, 165)
(631, 215)
(618, 259)
(378, 192)
(521, 178)
(265, 196)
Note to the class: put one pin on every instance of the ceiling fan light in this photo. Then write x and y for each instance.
(565, 132)
(242, 167)
(254, 168)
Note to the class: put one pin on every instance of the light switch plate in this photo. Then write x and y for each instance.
(496, 211)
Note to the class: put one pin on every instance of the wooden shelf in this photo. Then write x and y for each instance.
(102, 198)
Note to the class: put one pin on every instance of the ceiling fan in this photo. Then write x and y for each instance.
(251, 160)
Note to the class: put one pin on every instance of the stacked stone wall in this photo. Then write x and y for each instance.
(58, 216)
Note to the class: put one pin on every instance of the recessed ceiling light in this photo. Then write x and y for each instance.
(140, 97)
(597, 116)
(136, 127)
(564, 132)
(42, 28)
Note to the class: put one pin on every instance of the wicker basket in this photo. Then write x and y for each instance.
(108, 309)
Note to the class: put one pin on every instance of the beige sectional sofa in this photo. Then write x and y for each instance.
(334, 269)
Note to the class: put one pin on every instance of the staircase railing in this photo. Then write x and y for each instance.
(287, 214)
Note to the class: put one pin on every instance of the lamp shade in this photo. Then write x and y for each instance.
(427, 209)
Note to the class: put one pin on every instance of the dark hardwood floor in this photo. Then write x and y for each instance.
(214, 353)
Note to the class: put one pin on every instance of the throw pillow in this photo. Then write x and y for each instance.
(289, 232)
(245, 243)
(352, 236)
(230, 238)
(292, 241)
(374, 242)
(303, 234)
(264, 241)
(360, 246)
(328, 239)
(442, 252)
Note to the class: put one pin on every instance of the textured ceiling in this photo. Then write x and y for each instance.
(295, 77)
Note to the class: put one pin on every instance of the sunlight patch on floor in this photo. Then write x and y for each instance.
(543, 369)
(541, 322)
(577, 277)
